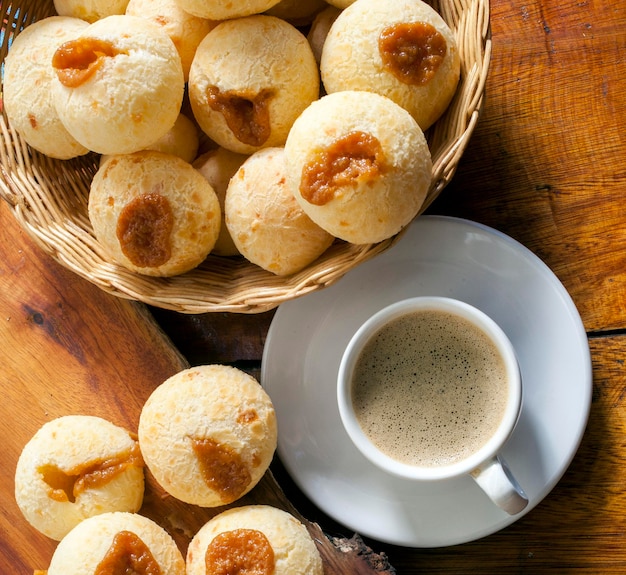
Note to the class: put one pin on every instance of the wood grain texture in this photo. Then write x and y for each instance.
(546, 165)
(547, 161)
(66, 347)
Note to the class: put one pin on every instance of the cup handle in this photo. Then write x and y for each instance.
(495, 478)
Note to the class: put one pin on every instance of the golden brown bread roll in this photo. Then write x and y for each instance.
(57, 483)
(117, 543)
(402, 50)
(28, 76)
(208, 434)
(257, 539)
(218, 167)
(265, 221)
(185, 29)
(153, 213)
(359, 166)
(118, 85)
(219, 10)
(250, 79)
(90, 10)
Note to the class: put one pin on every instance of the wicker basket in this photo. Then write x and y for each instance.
(49, 197)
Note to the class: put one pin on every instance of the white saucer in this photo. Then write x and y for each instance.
(436, 256)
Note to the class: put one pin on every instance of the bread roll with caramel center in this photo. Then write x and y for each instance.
(153, 213)
(117, 543)
(119, 85)
(208, 434)
(402, 50)
(359, 166)
(250, 79)
(74, 467)
(257, 539)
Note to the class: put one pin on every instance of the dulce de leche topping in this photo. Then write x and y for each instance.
(412, 52)
(128, 555)
(357, 156)
(246, 113)
(144, 228)
(244, 551)
(67, 485)
(222, 467)
(78, 60)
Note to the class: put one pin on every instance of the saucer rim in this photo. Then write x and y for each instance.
(585, 385)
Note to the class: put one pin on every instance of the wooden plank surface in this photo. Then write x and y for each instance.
(547, 162)
(546, 165)
(68, 348)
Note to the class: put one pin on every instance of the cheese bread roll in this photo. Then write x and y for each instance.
(74, 467)
(208, 434)
(153, 213)
(27, 83)
(117, 543)
(265, 221)
(359, 166)
(250, 79)
(399, 49)
(118, 85)
(257, 539)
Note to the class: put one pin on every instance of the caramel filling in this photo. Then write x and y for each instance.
(247, 114)
(412, 52)
(242, 552)
(128, 555)
(222, 467)
(144, 230)
(355, 157)
(68, 485)
(78, 60)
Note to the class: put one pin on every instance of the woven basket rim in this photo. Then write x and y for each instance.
(49, 197)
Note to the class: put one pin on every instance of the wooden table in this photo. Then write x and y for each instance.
(546, 166)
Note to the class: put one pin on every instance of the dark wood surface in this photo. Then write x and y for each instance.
(546, 165)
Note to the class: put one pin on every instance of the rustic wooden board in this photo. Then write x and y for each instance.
(68, 348)
(546, 162)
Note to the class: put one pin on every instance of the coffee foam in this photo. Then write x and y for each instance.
(429, 389)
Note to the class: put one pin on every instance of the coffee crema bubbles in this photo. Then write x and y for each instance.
(429, 388)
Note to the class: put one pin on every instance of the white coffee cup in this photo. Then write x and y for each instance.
(447, 381)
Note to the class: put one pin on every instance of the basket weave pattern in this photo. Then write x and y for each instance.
(49, 197)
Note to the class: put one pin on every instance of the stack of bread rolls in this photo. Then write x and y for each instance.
(207, 435)
(323, 104)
